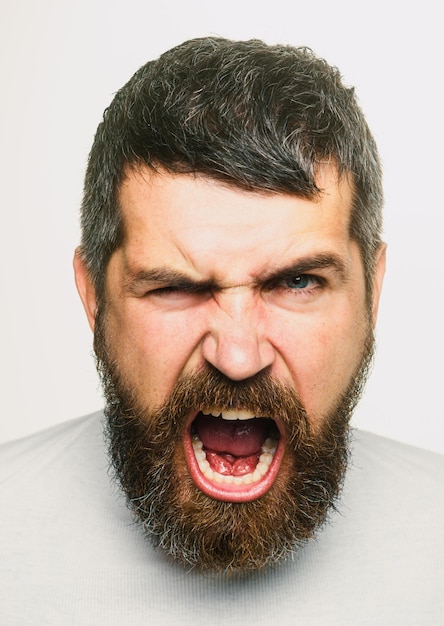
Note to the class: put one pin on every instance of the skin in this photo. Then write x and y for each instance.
(223, 291)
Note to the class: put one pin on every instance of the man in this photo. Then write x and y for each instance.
(230, 267)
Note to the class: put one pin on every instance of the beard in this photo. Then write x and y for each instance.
(146, 452)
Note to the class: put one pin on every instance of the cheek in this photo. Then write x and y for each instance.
(152, 350)
(322, 355)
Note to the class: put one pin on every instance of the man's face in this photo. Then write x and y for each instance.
(222, 307)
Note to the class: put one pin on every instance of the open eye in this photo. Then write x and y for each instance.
(303, 281)
(295, 290)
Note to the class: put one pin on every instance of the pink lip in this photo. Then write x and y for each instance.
(230, 492)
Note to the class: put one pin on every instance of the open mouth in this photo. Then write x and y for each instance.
(233, 455)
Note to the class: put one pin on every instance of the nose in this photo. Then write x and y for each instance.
(236, 343)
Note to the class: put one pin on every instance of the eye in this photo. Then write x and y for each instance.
(170, 293)
(164, 291)
(292, 291)
(176, 296)
(301, 282)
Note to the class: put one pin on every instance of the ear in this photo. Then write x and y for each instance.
(378, 280)
(85, 288)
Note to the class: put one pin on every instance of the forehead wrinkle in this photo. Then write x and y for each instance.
(138, 272)
(230, 270)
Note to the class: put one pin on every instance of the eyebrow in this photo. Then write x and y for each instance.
(163, 276)
(311, 263)
(158, 277)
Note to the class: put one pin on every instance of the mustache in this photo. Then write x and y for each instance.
(260, 394)
(208, 388)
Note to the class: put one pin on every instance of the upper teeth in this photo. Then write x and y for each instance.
(231, 414)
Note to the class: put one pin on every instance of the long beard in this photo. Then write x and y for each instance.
(146, 451)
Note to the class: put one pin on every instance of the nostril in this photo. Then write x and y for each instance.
(237, 356)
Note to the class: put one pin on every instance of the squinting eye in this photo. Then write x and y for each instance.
(163, 291)
(177, 297)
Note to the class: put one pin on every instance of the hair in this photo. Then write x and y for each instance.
(258, 117)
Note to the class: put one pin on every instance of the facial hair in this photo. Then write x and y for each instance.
(146, 451)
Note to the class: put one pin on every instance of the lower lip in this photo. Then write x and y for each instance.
(231, 492)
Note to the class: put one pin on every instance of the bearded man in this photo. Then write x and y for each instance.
(231, 265)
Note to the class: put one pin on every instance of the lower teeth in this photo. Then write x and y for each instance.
(267, 452)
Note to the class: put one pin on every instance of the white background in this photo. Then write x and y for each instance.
(61, 62)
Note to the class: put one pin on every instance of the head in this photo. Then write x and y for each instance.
(231, 263)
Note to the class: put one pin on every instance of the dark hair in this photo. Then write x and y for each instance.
(256, 116)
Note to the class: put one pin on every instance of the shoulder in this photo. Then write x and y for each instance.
(398, 482)
(56, 475)
(374, 452)
(55, 445)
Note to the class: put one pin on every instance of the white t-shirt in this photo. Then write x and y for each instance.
(70, 553)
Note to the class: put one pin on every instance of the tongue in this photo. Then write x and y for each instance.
(236, 437)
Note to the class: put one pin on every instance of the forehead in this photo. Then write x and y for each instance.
(196, 223)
